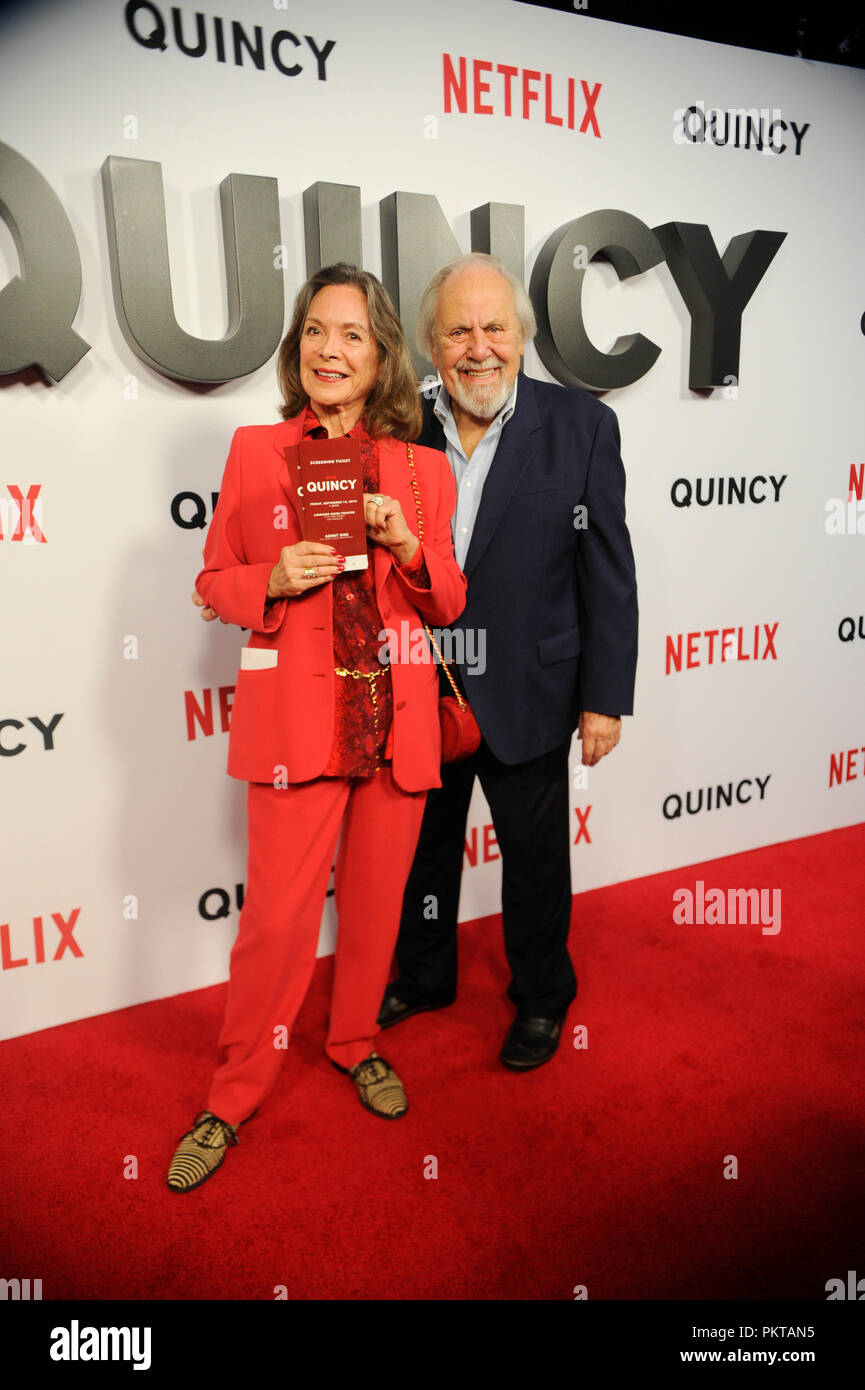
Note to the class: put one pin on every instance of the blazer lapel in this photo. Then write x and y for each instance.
(432, 434)
(287, 433)
(514, 451)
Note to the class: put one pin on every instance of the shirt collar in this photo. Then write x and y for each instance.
(311, 423)
(444, 413)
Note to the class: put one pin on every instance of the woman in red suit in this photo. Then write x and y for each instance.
(335, 743)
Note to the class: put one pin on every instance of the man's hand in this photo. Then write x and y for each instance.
(599, 734)
(207, 613)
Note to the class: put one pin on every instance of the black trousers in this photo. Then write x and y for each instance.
(530, 810)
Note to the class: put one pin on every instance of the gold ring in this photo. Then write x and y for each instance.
(309, 573)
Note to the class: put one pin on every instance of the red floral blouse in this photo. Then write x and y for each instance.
(362, 723)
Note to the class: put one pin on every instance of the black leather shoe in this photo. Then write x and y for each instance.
(394, 1010)
(531, 1042)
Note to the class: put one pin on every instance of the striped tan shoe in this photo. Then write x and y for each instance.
(379, 1088)
(200, 1152)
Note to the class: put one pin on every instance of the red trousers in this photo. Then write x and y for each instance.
(293, 833)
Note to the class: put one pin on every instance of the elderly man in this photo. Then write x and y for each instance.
(553, 589)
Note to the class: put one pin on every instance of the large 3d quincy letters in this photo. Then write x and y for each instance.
(37, 308)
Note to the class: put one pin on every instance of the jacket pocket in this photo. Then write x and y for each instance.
(560, 647)
(552, 483)
(258, 658)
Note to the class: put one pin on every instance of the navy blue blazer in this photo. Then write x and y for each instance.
(558, 604)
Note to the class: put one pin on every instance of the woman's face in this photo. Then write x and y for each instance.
(339, 357)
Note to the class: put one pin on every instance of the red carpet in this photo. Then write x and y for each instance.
(603, 1168)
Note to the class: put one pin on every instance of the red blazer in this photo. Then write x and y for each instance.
(282, 715)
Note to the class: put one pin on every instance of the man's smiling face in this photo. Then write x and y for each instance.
(477, 342)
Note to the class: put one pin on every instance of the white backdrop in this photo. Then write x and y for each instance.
(130, 822)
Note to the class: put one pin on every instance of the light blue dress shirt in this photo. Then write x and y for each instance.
(469, 474)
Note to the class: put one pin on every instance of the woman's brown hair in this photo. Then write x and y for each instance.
(393, 406)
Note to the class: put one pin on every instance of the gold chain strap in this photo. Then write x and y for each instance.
(414, 487)
(371, 677)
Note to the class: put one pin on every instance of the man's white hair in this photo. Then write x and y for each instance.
(427, 311)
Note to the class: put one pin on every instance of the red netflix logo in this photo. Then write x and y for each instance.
(842, 766)
(504, 94)
(20, 516)
(67, 941)
(490, 846)
(736, 644)
(202, 714)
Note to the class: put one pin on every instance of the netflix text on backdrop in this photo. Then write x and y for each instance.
(848, 520)
(488, 846)
(686, 645)
(202, 714)
(67, 942)
(843, 766)
(493, 97)
(21, 516)
(582, 814)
